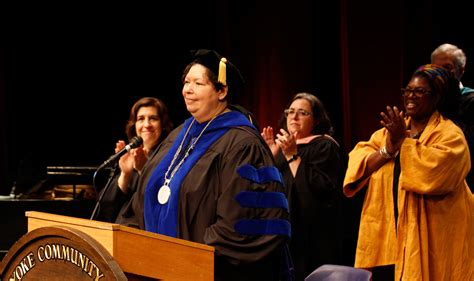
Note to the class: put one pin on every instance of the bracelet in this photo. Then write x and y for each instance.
(293, 158)
(383, 152)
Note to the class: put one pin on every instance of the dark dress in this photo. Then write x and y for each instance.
(208, 210)
(112, 199)
(315, 196)
(466, 117)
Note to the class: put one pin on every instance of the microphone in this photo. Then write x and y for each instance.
(134, 143)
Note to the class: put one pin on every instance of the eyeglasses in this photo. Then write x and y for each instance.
(300, 112)
(418, 92)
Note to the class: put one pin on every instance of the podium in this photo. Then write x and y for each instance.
(88, 249)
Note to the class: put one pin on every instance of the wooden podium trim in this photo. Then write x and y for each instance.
(140, 252)
(76, 256)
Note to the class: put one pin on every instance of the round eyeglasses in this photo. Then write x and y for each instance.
(418, 92)
(293, 112)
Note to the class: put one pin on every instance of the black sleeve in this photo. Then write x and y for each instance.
(113, 199)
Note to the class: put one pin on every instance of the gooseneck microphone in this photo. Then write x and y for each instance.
(134, 143)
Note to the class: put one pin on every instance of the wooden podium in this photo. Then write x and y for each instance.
(123, 251)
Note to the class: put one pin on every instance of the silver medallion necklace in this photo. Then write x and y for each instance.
(165, 191)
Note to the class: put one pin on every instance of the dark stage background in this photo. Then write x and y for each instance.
(69, 74)
(68, 77)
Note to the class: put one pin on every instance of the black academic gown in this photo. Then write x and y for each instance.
(208, 210)
(315, 196)
(466, 117)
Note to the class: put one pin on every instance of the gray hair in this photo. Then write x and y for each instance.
(455, 52)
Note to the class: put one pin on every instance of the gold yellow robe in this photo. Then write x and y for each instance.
(435, 235)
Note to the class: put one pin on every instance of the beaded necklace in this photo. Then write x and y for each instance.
(165, 191)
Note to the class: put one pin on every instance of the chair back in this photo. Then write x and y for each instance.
(331, 272)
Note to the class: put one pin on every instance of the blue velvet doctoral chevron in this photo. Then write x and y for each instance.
(262, 175)
(262, 199)
(256, 199)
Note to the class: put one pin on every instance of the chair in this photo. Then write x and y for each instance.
(331, 272)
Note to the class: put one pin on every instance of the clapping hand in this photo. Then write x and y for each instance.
(394, 121)
(287, 143)
(269, 138)
(135, 159)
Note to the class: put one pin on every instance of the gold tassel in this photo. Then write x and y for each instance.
(222, 78)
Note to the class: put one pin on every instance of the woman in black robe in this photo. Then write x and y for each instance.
(313, 167)
(213, 181)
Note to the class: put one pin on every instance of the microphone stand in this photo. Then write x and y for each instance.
(105, 189)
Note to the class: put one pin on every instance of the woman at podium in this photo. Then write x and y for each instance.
(212, 180)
